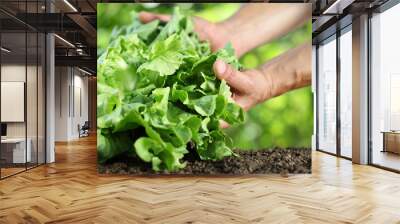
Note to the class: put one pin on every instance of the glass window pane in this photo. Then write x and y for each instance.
(31, 97)
(22, 89)
(41, 98)
(346, 94)
(327, 96)
(386, 88)
(32, 86)
(13, 86)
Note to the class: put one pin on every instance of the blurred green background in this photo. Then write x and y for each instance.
(285, 121)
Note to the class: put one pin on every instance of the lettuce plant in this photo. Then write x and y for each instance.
(158, 95)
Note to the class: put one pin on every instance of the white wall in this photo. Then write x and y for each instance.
(13, 101)
(33, 126)
(70, 83)
(80, 83)
(12, 73)
(62, 81)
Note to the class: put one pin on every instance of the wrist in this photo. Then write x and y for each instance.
(270, 90)
(280, 80)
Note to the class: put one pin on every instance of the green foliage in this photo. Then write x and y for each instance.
(157, 93)
(284, 121)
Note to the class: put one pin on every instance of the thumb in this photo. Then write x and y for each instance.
(234, 78)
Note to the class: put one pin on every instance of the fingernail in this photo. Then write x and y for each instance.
(140, 16)
(143, 15)
(220, 67)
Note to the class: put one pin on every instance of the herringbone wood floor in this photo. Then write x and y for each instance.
(71, 191)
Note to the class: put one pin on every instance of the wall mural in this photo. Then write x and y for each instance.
(204, 88)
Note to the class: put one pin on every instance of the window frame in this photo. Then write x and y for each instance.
(343, 26)
(29, 29)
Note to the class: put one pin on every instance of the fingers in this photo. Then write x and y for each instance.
(223, 124)
(146, 17)
(208, 31)
(243, 101)
(233, 78)
(201, 27)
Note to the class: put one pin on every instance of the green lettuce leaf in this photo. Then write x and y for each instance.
(157, 93)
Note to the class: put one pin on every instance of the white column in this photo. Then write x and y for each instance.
(360, 90)
(50, 99)
(50, 92)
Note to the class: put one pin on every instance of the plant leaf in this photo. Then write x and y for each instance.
(157, 92)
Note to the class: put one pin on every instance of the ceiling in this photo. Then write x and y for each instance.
(332, 15)
(74, 22)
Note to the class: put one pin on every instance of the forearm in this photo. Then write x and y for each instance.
(258, 23)
(289, 71)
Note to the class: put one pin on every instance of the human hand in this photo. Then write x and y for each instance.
(248, 87)
(289, 71)
(251, 26)
(286, 72)
(216, 34)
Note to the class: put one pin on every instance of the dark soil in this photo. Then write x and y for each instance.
(268, 161)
